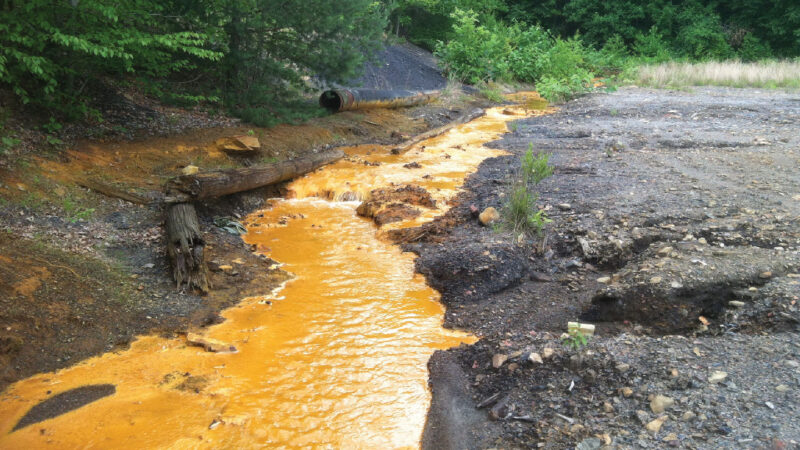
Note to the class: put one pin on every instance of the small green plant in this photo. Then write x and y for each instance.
(535, 168)
(513, 127)
(491, 91)
(251, 132)
(521, 212)
(7, 143)
(575, 340)
(74, 212)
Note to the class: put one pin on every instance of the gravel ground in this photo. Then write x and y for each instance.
(402, 66)
(675, 231)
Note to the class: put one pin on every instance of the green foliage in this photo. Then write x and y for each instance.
(520, 211)
(575, 340)
(50, 51)
(474, 53)
(652, 47)
(535, 168)
(559, 90)
(75, 212)
(753, 49)
(700, 35)
(256, 57)
(491, 91)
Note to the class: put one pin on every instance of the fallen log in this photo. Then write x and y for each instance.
(406, 146)
(185, 245)
(113, 191)
(229, 181)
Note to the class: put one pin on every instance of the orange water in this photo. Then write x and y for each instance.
(336, 358)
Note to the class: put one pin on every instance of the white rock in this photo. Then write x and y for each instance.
(717, 376)
(535, 358)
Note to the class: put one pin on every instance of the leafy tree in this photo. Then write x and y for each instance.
(51, 50)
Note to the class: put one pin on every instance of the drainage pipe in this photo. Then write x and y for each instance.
(349, 99)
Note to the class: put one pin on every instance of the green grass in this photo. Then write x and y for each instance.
(75, 212)
(491, 91)
(521, 213)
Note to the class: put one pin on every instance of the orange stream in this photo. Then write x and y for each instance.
(335, 358)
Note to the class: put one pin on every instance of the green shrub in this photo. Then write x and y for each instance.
(474, 53)
(528, 59)
(652, 47)
(753, 49)
(560, 90)
(701, 35)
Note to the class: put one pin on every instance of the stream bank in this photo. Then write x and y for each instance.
(676, 230)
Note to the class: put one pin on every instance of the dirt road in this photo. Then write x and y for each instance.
(676, 230)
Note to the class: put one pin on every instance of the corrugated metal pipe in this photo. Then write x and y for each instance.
(349, 99)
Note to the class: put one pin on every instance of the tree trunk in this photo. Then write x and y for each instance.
(223, 182)
(185, 248)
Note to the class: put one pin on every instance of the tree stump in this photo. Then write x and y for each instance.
(185, 248)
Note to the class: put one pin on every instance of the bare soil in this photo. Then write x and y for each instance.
(676, 232)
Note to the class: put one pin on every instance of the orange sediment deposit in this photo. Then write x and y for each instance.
(335, 358)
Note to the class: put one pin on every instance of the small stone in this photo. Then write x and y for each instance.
(702, 241)
(498, 359)
(655, 425)
(665, 251)
(655, 280)
(607, 407)
(489, 216)
(548, 353)
(226, 267)
(564, 206)
(736, 304)
(211, 345)
(769, 405)
(626, 391)
(661, 403)
(687, 416)
(765, 275)
(535, 358)
(717, 376)
(623, 367)
(676, 285)
(589, 444)
(541, 277)
(670, 437)
(782, 388)
(604, 280)
(512, 367)
(149, 266)
(190, 170)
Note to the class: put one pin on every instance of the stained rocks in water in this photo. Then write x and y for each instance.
(395, 205)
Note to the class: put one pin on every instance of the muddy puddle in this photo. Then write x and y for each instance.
(335, 358)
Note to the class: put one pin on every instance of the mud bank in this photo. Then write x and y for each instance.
(675, 230)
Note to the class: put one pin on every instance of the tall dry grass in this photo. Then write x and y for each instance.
(766, 74)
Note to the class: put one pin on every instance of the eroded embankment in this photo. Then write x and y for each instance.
(676, 232)
(336, 357)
